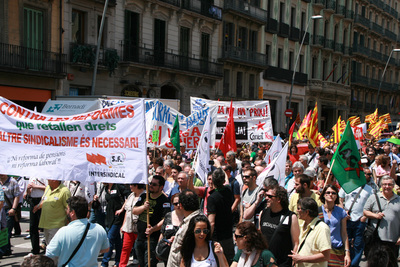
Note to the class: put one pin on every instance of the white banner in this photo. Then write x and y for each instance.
(276, 168)
(252, 118)
(203, 153)
(106, 145)
(274, 150)
(162, 117)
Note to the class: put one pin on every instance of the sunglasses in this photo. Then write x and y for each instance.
(331, 193)
(198, 231)
(154, 184)
(269, 196)
(246, 176)
(238, 236)
(176, 203)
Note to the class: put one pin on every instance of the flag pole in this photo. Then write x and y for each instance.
(329, 173)
(148, 221)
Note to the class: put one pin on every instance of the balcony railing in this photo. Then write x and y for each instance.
(294, 34)
(320, 2)
(272, 26)
(390, 35)
(361, 50)
(306, 39)
(347, 50)
(341, 10)
(19, 58)
(85, 54)
(201, 7)
(133, 53)
(365, 81)
(247, 9)
(349, 14)
(376, 55)
(283, 29)
(111, 3)
(284, 75)
(355, 105)
(318, 40)
(362, 20)
(243, 55)
(331, 4)
(377, 28)
(339, 47)
(330, 44)
(393, 12)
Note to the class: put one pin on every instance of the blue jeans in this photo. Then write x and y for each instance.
(141, 252)
(6, 250)
(355, 232)
(114, 237)
(97, 216)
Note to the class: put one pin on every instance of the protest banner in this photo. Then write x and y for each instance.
(162, 117)
(106, 145)
(252, 118)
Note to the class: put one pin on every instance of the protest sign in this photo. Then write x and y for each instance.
(252, 118)
(106, 145)
(162, 117)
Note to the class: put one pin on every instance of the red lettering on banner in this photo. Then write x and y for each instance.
(220, 109)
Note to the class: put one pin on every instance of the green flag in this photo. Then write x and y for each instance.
(175, 139)
(346, 162)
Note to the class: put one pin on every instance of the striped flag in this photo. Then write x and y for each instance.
(313, 128)
(354, 121)
(297, 120)
(304, 126)
(376, 129)
(372, 118)
(322, 141)
(386, 118)
(338, 129)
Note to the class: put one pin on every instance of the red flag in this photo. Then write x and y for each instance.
(228, 140)
(313, 128)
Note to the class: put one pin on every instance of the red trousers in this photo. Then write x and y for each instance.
(127, 245)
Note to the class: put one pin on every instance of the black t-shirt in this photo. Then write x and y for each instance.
(281, 245)
(220, 203)
(115, 198)
(159, 207)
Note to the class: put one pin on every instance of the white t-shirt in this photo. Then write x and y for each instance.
(209, 262)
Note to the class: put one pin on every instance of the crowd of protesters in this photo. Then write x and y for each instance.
(229, 220)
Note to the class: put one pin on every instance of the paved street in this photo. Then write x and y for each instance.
(21, 247)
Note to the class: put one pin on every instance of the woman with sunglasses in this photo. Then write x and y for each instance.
(336, 218)
(171, 223)
(197, 247)
(252, 248)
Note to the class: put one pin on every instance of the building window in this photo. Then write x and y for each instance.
(280, 57)
(293, 17)
(103, 42)
(282, 12)
(78, 90)
(251, 86)
(184, 41)
(239, 84)
(267, 53)
(313, 67)
(291, 55)
(229, 34)
(226, 82)
(301, 60)
(253, 41)
(242, 38)
(78, 26)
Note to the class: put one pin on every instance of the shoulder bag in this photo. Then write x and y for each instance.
(79, 245)
(371, 236)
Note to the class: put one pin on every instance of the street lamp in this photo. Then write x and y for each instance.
(383, 74)
(295, 66)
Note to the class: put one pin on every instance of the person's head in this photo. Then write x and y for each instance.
(157, 184)
(270, 182)
(160, 171)
(302, 183)
(182, 147)
(209, 180)
(177, 159)
(293, 149)
(230, 157)
(175, 201)
(288, 167)
(197, 233)
(368, 174)
(188, 200)
(395, 149)
(304, 160)
(248, 238)
(385, 160)
(322, 162)
(218, 178)
(158, 162)
(137, 187)
(220, 157)
(310, 172)
(277, 197)
(38, 261)
(182, 180)
(297, 168)
(261, 154)
(175, 170)
(168, 164)
(228, 170)
(329, 194)
(387, 185)
(187, 168)
(259, 169)
(381, 256)
(307, 208)
(249, 177)
(386, 149)
(77, 208)
(245, 165)
(53, 184)
(311, 148)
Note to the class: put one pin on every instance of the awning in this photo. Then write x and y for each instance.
(24, 94)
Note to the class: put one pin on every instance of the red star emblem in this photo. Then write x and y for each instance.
(260, 125)
(358, 169)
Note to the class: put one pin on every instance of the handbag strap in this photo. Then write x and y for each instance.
(302, 243)
(79, 245)
(284, 216)
(380, 209)
(355, 199)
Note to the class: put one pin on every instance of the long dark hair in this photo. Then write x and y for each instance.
(189, 243)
